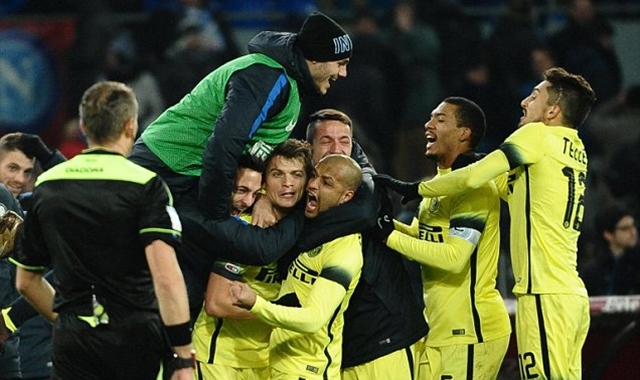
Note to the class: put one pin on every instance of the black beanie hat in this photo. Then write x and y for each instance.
(322, 39)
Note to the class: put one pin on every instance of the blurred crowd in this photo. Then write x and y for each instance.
(408, 56)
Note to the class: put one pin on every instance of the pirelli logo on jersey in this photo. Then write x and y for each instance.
(431, 233)
(302, 273)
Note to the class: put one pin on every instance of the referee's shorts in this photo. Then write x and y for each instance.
(130, 347)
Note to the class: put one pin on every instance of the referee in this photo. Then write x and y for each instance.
(108, 229)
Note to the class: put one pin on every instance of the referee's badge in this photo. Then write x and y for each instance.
(434, 204)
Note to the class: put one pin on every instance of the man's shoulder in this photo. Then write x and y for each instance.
(98, 166)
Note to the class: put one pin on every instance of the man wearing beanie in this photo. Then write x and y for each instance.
(248, 105)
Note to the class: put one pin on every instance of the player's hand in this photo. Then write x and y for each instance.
(384, 225)
(242, 295)
(33, 146)
(262, 214)
(408, 190)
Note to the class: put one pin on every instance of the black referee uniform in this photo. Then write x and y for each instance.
(91, 219)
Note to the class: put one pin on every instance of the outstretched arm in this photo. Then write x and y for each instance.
(324, 298)
(467, 178)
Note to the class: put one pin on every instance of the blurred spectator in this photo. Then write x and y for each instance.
(122, 64)
(196, 13)
(502, 108)
(417, 48)
(460, 36)
(616, 264)
(73, 141)
(585, 46)
(541, 59)
(96, 27)
(192, 55)
(510, 45)
(614, 124)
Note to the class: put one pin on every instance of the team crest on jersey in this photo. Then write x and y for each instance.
(434, 205)
(315, 252)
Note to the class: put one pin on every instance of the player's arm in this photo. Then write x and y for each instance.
(324, 298)
(218, 302)
(243, 243)
(32, 259)
(411, 230)
(252, 96)
(451, 255)
(467, 178)
(31, 283)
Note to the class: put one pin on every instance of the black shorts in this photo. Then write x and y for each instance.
(128, 348)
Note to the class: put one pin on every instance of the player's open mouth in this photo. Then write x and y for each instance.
(312, 202)
(430, 139)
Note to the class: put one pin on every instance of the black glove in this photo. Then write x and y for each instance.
(384, 225)
(32, 146)
(408, 190)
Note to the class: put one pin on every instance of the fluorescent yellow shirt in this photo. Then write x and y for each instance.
(546, 187)
(238, 343)
(456, 240)
(309, 313)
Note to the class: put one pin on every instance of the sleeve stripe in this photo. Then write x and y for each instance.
(27, 267)
(160, 230)
(281, 82)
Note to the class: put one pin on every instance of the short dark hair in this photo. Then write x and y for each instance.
(296, 150)
(325, 114)
(105, 108)
(470, 115)
(248, 161)
(12, 142)
(609, 215)
(572, 93)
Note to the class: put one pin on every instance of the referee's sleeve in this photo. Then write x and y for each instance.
(158, 218)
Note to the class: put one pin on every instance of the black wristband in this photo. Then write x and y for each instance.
(178, 363)
(179, 335)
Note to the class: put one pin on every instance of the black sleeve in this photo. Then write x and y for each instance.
(358, 214)
(235, 240)
(54, 160)
(252, 96)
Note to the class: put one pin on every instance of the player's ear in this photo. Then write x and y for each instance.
(347, 196)
(465, 134)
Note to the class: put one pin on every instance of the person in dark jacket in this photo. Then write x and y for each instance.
(384, 321)
(17, 154)
(250, 104)
(614, 269)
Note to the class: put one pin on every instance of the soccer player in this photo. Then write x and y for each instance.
(309, 312)
(250, 104)
(230, 343)
(544, 167)
(457, 242)
(383, 323)
(108, 228)
(248, 184)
